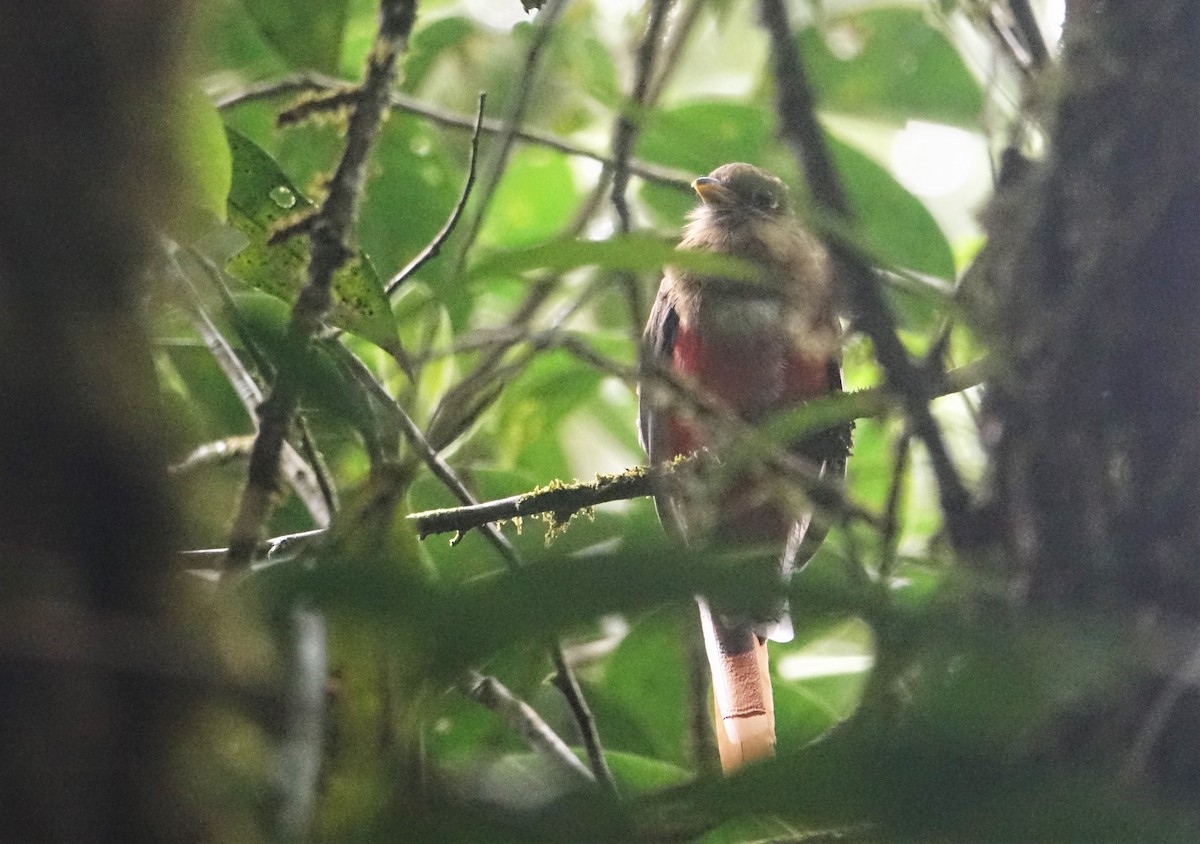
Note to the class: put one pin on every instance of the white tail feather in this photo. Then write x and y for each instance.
(745, 707)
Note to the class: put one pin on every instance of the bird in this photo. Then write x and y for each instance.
(756, 348)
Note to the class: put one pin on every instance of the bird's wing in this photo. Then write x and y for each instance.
(832, 448)
(658, 342)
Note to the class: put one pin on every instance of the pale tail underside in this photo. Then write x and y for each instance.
(745, 709)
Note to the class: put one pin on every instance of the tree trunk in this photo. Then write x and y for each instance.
(85, 518)
(1095, 265)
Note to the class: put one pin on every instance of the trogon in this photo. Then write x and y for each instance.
(756, 347)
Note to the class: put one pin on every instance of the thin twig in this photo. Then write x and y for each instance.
(304, 478)
(657, 174)
(891, 522)
(625, 134)
(629, 121)
(525, 85)
(327, 229)
(679, 179)
(215, 453)
(799, 127)
(564, 676)
(681, 29)
(524, 720)
(1031, 34)
(435, 246)
(1151, 729)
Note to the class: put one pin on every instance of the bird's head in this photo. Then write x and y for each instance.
(744, 211)
(738, 194)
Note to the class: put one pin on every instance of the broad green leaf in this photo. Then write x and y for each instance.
(697, 138)
(891, 64)
(417, 172)
(261, 198)
(430, 42)
(532, 407)
(228, 41)
(306, 33)
(892, 222)
(639, 774)
(324, 384)
(647, 674)
(203, 152)
(702, 136)
(533, 201)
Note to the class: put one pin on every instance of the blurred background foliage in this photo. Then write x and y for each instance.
(917, 100)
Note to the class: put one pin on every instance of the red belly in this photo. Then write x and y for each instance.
(754, 377)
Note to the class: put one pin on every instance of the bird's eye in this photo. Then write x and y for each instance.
(765, 200)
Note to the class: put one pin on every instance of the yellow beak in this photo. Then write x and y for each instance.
(710, 190)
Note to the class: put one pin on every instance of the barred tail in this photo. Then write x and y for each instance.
(745, 709)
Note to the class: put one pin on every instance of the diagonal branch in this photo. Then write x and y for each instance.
(524, 720)
(630, 118)
(800, 129)
(328, 230)
(299, 83)
(304, 479)
(525, 86)
(435, 246)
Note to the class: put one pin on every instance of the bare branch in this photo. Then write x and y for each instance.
(306, 480)
(435, 246)
(559, 499)
(657, 174)
(1031, 34)
(630, 118)
(525, 721)
(215, 453)
(328, 230)
(799, 128)
(525, 85)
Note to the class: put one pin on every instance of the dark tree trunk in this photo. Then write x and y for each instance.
(85, 518)
(1095, 263)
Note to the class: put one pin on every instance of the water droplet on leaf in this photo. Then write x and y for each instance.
(283, 196)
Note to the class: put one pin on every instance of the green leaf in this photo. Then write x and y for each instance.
(890, 64)
(417, 173)
(203, 152)
(306, 33)
(430, 42)
(533, 200)
(647, 673)
(697, 138)
(702, 136)
(261, 198)
(892, 222)
(639, 774)
(264, 320)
